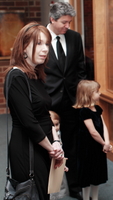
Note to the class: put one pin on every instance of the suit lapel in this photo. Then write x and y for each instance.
(68, 47)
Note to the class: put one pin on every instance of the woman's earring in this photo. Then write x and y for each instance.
(25, 55)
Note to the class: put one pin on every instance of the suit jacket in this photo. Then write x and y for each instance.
(74, 69)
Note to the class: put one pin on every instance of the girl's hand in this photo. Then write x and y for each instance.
(111, 148)
(58, 163)
(107, 148)
(66, 169)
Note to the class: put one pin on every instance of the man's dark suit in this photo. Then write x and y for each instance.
(61, 86)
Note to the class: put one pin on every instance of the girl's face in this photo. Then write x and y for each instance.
(56, 124)
(41, 52)
(95, 96)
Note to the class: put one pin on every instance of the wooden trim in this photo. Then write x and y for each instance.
(100, 42)
(100, 28)
(72, 25)
(77, 20)
(107, 96)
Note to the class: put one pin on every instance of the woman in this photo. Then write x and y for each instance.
(31, 119)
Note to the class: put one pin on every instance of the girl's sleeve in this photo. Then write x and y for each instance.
(22, 107)
(99, 109)
(85, 114)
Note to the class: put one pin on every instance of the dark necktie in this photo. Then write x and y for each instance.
(60, 53)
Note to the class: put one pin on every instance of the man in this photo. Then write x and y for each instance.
(61, 82)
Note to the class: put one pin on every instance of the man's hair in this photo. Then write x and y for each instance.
(60, 9)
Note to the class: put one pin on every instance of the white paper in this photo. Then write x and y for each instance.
(55, 177)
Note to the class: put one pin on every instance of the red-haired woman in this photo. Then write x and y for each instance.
(31, 119)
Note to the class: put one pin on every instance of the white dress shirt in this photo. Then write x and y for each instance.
(54, 40)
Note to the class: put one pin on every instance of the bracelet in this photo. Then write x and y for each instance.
(56, 141)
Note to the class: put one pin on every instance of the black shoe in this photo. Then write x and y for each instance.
(76, 195)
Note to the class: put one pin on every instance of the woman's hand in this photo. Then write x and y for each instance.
(59, 153)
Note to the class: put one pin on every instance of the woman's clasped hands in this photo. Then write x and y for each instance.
(58, 154)
(57, 151)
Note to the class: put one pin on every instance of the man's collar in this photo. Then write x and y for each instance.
(52, 33)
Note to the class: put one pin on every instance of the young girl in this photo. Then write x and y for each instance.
(93, 140)
(64, 191)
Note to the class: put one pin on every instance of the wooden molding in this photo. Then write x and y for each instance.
(101, 34)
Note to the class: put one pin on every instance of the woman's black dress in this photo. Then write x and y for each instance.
(29, 120)
(92, 162)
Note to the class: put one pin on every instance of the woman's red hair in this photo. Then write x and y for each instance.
(30, 32)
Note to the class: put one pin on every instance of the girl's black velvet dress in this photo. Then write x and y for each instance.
(29, 120)
(92, 162)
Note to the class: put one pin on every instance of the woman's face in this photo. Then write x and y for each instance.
(41, 52)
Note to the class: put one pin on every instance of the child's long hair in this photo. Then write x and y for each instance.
(84, 93)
